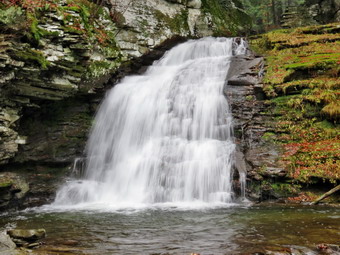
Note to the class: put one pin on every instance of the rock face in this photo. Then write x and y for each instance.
(311, 12)
(13, 189)
(257, 154)
(7, 246)
(323, 11)
(59, 60)
(56, 64)
(148, 24)
(51, 62)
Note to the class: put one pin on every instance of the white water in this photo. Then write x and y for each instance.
(164, 137)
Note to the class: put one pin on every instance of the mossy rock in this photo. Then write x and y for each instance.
(11, 16)
(32, 56)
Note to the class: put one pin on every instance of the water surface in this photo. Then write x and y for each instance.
(169, 230)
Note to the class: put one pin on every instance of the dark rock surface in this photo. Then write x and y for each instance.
(13, 189)
(252, 123)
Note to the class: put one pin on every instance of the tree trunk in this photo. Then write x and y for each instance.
(273, 6)
(327, 194)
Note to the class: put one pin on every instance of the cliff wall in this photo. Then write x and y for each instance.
(57, 59)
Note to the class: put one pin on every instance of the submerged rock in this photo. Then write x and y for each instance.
(26, 237)
(27, 234)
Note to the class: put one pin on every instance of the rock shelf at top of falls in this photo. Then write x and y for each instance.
(165, 136)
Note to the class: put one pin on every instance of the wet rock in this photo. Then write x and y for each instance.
(6, 243)
(9, 137)
(20, 242)
(33, 245)
(329, 248)
(257, 151)
(13, 189)
(274, 172)
(26, 237)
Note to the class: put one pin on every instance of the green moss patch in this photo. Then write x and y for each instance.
(34, 56)
(302, 80)
(4, 185)
(228, 19)
(177, 23)
(11, 15)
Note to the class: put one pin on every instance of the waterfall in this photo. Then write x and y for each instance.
(165, 136)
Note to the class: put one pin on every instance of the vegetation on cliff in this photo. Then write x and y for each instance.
(228, 16)
(303, 86)
(78, 25)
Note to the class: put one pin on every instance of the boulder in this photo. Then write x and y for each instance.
(6, 243)
(29, 235)
(13, 189)
(196, 4)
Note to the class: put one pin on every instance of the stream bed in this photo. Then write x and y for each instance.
(228, 230)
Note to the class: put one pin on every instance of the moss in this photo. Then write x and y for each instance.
(99, 68)
(6, 184)
(177, 23)
(111, 52)
(325, 125)
(285, 189)
(34, 27)
(260, 44)
(269, 136)
(270, 188)
(11, 15)
(33, 56)
(332, 110)
(228, 20)
(317, 61)
(219, 15)
(302, 79)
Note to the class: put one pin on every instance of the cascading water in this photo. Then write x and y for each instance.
(165, 136)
